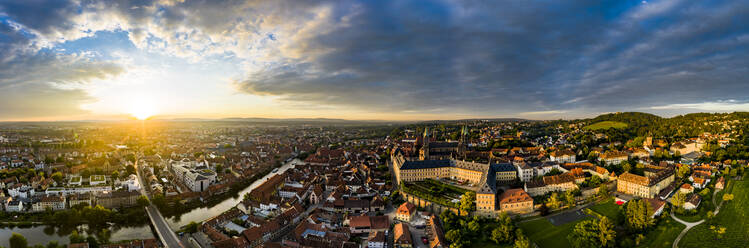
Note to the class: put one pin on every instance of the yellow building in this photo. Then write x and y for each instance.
(644, 187)
(516, 201)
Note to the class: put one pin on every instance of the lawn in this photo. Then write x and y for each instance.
(606, 125)
(546, 235)
(734, 216)
(435, 191)
(609, 209)
(664, 234)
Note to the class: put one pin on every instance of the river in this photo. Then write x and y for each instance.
(45, 234)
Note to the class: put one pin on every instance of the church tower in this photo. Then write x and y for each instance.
(424, 152)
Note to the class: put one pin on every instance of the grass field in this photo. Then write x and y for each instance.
(546, 235)
(734, 216)
(664, 234)
(609, 209)
(606, 125)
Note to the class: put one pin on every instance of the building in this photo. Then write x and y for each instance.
(435, 233)
(692, 202)
(562, 183)
(505, 173)
(409, 171)
(644, 187)
(516, 201)
(405, 212)
(194, 175)
(77, 199)
(117, 199)
(377, 239)
(720, 184)
(402, 236)
(656, 205)
(14, 206)
(614, 157)
(49, 202)
(441, 150)
(95, 180)
(366, 224)
(563, 156)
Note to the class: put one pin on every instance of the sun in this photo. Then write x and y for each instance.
(142, 109)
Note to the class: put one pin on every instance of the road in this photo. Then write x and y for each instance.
(166, 235)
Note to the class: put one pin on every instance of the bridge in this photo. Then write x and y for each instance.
(165, 233)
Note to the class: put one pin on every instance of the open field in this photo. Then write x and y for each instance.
(734, 216)
(544, 234)
(606, 125)
(609, 209)
(664, 234)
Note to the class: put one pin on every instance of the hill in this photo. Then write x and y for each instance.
(606, 125)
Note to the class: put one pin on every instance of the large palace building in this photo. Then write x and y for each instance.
(645, 187)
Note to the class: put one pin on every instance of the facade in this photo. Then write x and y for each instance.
(516, 201)
(49, 202)
(194, 175)
(644, 187)
(563, 156)
(377, 239)
(505, 173)
(117, 199)
(77, 199)
(405, 212)
(563, 182)
(410, 171)
(614, 157)
(402, 236)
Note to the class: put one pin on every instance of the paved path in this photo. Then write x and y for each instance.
(693, 224)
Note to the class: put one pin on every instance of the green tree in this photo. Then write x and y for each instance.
(76, 238)
(130, 169)
(603, 191)
(678, 199)
(468, 202)
(18, 241)
(142, 201)
(637, 215)
(593, 233)
(521, 241)
(57, 176)
(553, 202)
(474, 226)
(115, 175)
(683, 171)
(569, 199)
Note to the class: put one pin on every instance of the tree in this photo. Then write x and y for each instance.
(554, 202)
(115, 175)
(522, 241)
(626, 166)
(468, 202)
(678, 199)
(683, 171)
(454, 235)
(593, 233)
(130, 169)
(474, 226)
(18, 241)
(192, 227)
(603, 191)
(143, 201)
(76, 238)
(57, 176)
(569, 199)
(219, 168)
(727, 197)
(637, 215)
(504, 232)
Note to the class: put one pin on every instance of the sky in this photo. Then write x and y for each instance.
(371, 60)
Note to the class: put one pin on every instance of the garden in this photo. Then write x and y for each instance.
(435, 191)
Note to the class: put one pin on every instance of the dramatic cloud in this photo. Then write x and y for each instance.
(443, 57)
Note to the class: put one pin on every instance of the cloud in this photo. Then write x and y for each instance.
(474, 57)
(719, 106)
(38, 83)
